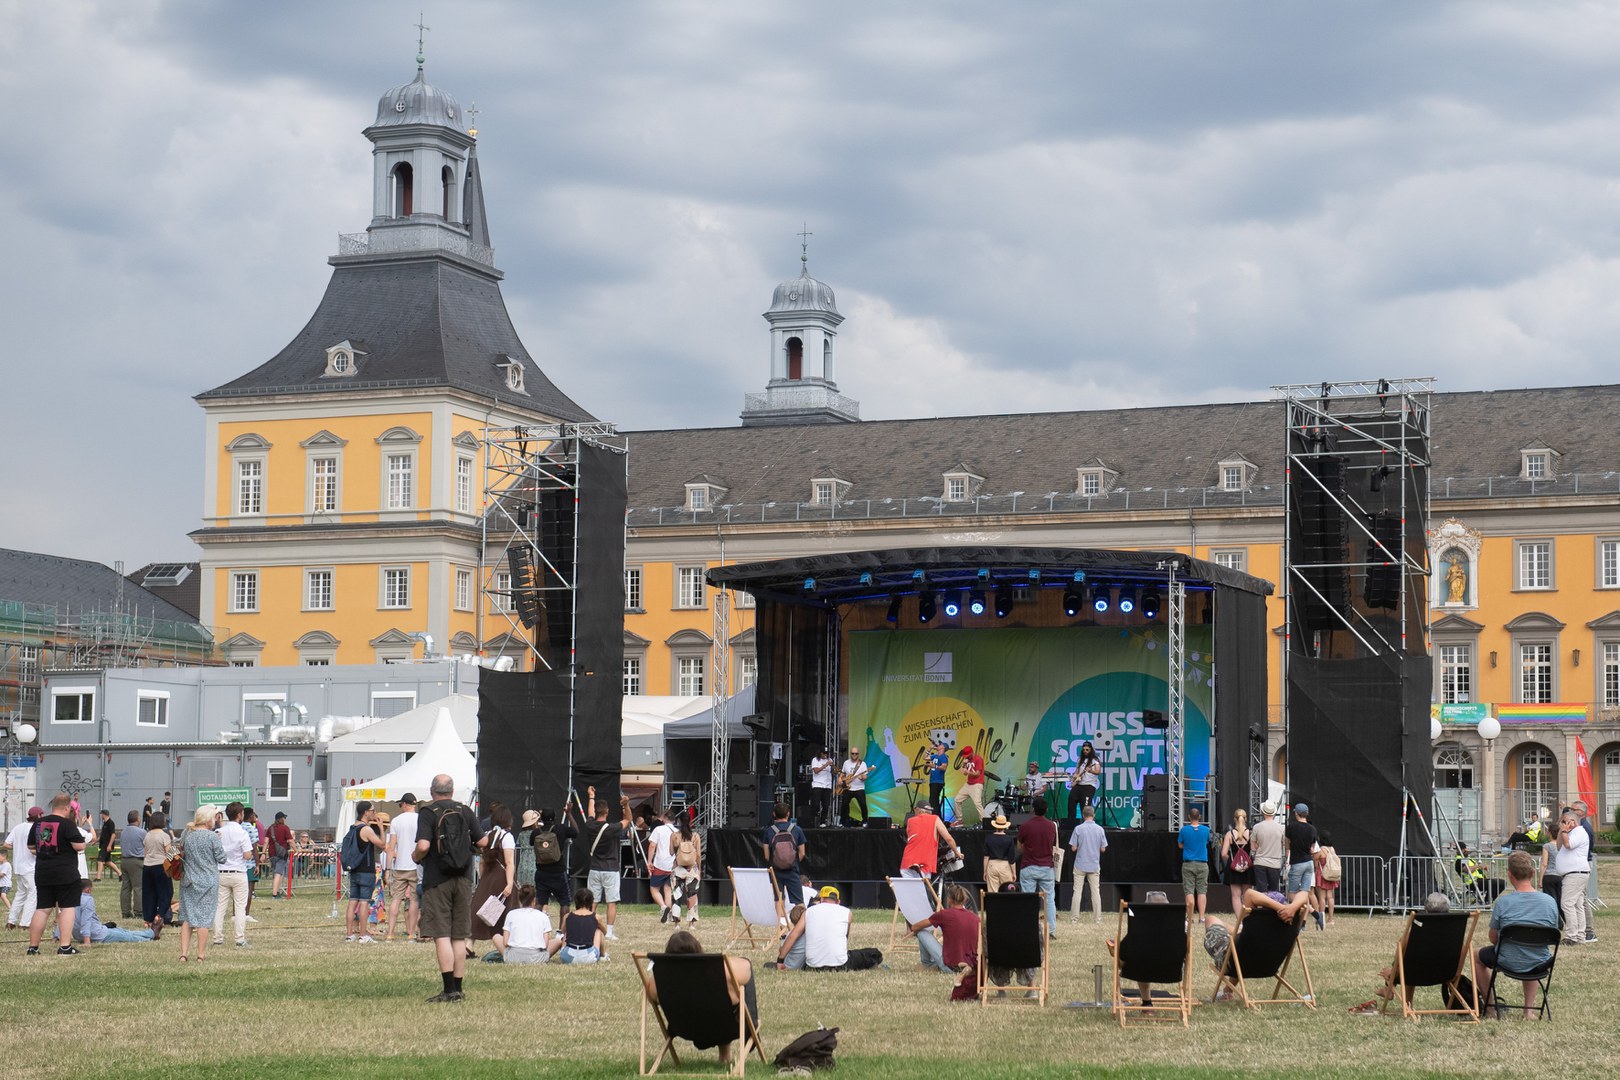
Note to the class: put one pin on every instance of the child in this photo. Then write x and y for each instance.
(581, 940)
(526, 935)
(5, 882)
(794, 961)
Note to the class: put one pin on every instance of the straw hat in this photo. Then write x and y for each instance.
(530, 819)
(999, 822)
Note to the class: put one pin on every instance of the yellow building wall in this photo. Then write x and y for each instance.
(662, 620)
(1571, 601)
(356, 617)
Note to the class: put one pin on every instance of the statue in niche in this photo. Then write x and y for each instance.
(1456, 577)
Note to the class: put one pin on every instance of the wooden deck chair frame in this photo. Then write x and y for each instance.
(982, 966)
(894, 923)
(733, 935)
(1231, 960)
(1171, 1009)
(747, 1032)
(1396, 983)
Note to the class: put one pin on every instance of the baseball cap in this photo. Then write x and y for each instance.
(35, 812)
(281, 815)
(1301, 808)
(828, 892)
(1268, 809)
(407, 799)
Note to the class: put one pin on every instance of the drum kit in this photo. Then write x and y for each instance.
(1019, 797)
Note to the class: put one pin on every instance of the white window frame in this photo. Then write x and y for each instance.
(463, 594)
(1535, 465)
(1608, 563)
(1456, 661)
(634, 589)
(956, 488)
(248, 494)
(747, 671)
(1608, 673)
(464, 484)
(270, 770)
(500, 585)
(391, 695)
(701, 498)
(238, 600)
(399, 477)
(823, 493)
(1231, 558)
(160, 709)
(691, 682)
(309, 588)
(325, 492)
(1235, 476)
(252, 714)
(1524, 581)
(633, 679)
(1091, 482)
(1525, 665)
(741, 600)
(691, 590)
(87, 714)
(316, 661)
(384, 603)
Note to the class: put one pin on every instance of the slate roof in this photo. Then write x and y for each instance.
(185, 595)
(79, 587)
(1166, 454)
(422, 320)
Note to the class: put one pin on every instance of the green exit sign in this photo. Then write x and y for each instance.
(222, 796)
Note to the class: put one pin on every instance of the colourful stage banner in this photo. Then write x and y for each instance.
(1022, 695)
(1574, 713)
(1459, 713)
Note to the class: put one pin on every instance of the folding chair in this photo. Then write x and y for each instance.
(1263, 947)
(1153, 946)
(694, 1003)
(1012, 934)
(1435, 950)
(1535, 937)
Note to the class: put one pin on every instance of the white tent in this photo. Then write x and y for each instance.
(407, 732)
(442, 752)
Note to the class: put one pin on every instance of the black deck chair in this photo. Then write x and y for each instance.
(1542, 937)
(1153, 946)
(1012, 934)
(1263, 947)
(694, 1003)
(1435, 950)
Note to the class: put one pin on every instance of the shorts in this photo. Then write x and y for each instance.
(518, 955)
(402, 885)
(659, 879)
(361, 884)
(278, 865)
(1216, 938)
(1195, 877)
(447, 910)
(65, 895)
(604, 886)
(549, 888)
(105, 858)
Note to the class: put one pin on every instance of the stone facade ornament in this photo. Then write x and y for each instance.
(1454, 558)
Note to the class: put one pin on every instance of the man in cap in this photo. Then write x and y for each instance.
(1266, 845)
(825, 929)
(1301, 836)
(403, 873)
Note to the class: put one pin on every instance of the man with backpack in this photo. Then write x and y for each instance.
(784, 848)
(446, 833)
(357, 855)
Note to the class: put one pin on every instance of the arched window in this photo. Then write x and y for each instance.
(1279, 765)
(1453, 767)
(795, 358)
(1538, 780)
(449, 178)
(826, 359)
(1609, 779)
(403, 193)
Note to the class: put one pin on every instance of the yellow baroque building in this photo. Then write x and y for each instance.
(345, 475)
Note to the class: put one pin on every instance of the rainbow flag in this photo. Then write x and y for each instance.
(1542, 714)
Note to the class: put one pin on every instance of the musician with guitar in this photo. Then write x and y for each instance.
(1083, 779)
(973, 790)
(821, 787)
(851, 786)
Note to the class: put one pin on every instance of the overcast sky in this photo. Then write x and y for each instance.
(1020, 206)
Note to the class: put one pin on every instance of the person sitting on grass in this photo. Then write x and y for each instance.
(525, 937)
(742, 974)
(1217, 935)
(1522, 905)
(793, 959)
(581, 941)
(90, 930)
(825, 932)
(959, 948)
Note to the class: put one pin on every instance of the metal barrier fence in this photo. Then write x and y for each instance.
(1403, 883)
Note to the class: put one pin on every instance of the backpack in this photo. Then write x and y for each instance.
(686, 854)
(352, 855)
(452, 840)
(784, 852)
(1330, 865)
(1241, 860)
(546, 849)
(810, 1051)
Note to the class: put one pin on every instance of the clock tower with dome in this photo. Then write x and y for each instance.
(804, 321)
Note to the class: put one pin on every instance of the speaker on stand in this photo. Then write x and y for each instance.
(742, 808)
(1155, 802)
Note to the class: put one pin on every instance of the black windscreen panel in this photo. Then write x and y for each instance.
(1240, 697)
(529, 740)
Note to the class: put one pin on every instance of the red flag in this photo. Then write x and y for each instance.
(1583, 779)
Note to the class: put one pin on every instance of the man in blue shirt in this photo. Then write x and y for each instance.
(1522, 905)
(91, 930)
(1194, 843)
(938, 762)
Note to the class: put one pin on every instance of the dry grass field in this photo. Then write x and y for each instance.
(302, 1003)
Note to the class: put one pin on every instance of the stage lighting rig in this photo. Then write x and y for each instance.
(953, 604)
(1072, 602)
(1003, 602)
(894, 609)
(1150, 603)
(925, 606)
(976, 602)
(1099, 599)
(1127, 601)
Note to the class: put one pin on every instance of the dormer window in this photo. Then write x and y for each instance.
(1235, 475)
(827, 491)
(961, 484)
(513, 367)
(1536, 463)
(342, 361)
(1095, 480)
(704, 493)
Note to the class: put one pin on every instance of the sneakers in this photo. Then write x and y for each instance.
(250, 918)
(352, 937)
(67, 950)
(610, 935)
(664, 913)
(1317, 915)
(219, 941)
(367, 939)
(603, 959)
(244, 945)
(445, 996)
(157, 929)
(33, 950)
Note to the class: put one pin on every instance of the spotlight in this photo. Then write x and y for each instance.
(1150, 603)
(984, 575)
(925, 606)
(866, 577)
(1379, 475)
(953, 604)
(809, 584)
(1099, 600)
(894, 609)
(976, 604)
(1003, 602)
(1127, 601)
(1072, 602)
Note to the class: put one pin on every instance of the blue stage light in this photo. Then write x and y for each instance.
(1127, 600)
(953, 604)
(1099, 600)
(976, 604)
